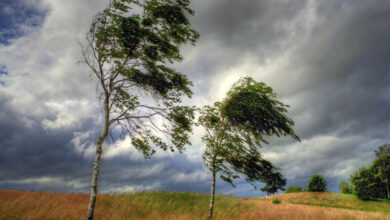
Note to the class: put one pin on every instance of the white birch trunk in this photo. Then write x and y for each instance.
(212, 194)
(96, 164)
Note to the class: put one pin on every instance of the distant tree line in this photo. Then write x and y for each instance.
(368, 183)
(317, 183)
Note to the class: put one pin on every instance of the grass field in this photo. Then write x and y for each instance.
(335, 200)
(181, 206)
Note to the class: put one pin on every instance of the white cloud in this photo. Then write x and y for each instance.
(122, 148)
(130, 188)
(49, 181)
(83, 145)
(43, 73)
(333, 156)
(69, 113)
(191, 177)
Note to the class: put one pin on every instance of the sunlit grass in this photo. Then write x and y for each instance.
(187, 205)
(141, 205)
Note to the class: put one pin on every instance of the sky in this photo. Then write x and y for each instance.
(327, 59)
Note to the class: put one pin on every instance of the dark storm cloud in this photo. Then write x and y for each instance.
(230, 30)
(34, 158)
(336, 80)
(344, 82)
(37, 159)
(176, 173)
(245, 25)
(335, 75)
(29, 151)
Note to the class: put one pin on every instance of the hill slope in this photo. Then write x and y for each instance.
(178, 205)
(334, 200)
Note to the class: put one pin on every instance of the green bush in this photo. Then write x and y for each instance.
(276, 201)
(368, 185)
(294, 189)
(345, 187)
(317, 183)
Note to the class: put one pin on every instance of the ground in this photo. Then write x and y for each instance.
(185, 205)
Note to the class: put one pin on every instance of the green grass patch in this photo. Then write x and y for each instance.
(141, 204)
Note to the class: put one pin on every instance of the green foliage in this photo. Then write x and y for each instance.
(382, 162)
(373, 182)
(276, 201)
(253, 106)
(130, 52)
(364, 184)
(345, 187)
(317, 183)
(179, 203)
(232, 144)
(368, 183)
(294, 189)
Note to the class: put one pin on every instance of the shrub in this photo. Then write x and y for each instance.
(345, 187)
(317, 183)
(276, 201)
(293, 189)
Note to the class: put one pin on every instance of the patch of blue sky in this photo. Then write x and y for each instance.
(17, 18)
(3, 70)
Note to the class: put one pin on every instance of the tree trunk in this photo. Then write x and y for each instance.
(387, 188)
(212, 194)
(94, 180)
(95, 172)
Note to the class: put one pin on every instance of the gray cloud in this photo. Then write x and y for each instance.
(327, 59)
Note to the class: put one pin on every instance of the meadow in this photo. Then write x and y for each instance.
(186, 205)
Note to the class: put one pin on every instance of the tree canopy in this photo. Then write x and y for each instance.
(252, 107)
(373, 182)
(131, 46)
(383, 162)
(345, 187)
(317, 183)
(235, 130)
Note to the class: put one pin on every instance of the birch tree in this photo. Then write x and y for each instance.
(131, 46)
(235, 130)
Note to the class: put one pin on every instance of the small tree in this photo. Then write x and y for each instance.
(364, 183)
(317, 183)
(345, 187)
(383, 162)
(294, 189)
(130, 53)
(369, 183)
(234, 133)
(373, 182)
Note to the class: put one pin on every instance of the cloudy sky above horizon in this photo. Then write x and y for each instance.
(328, 59)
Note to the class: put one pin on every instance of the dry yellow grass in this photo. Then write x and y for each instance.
(164, 206)
(267, 210)
(334, 200)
